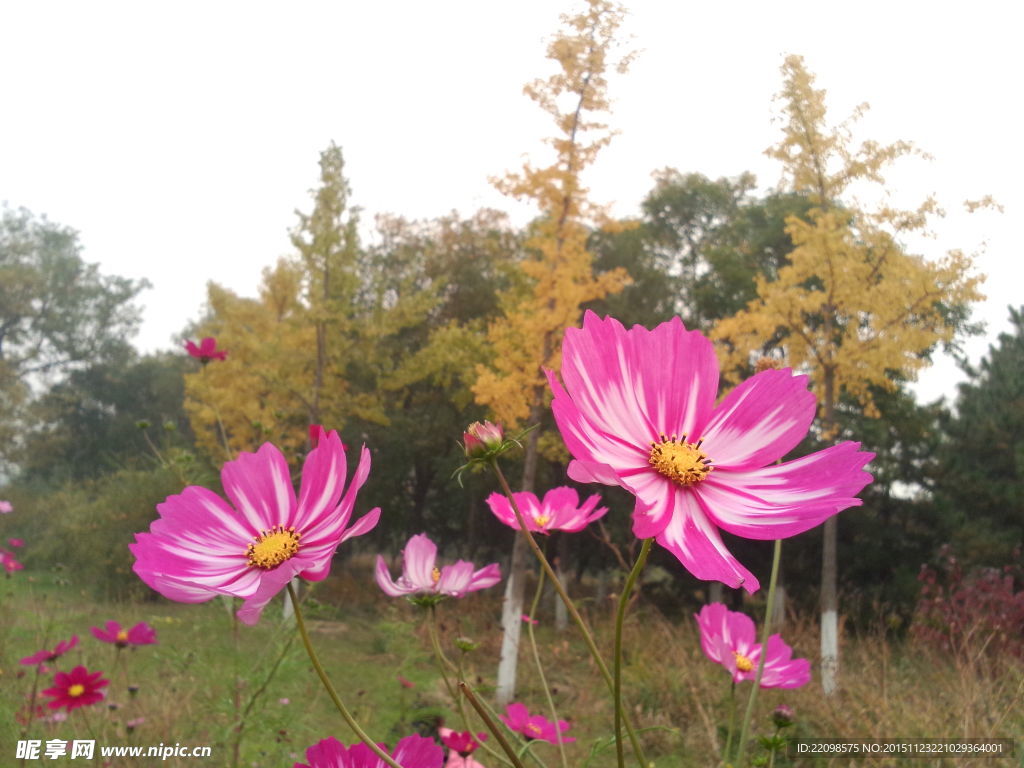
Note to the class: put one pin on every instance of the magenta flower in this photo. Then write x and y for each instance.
(637, 410)
(6, 507)
(77, 688)
(206, 351)
(413, 751)
(9, 561)
(559, 511)
(538, 727)
(140, 634)
(44, 656)
(202, 547)
(16, 542)
(462, 742)
(479, 438)
(421, 577)
(729, 638)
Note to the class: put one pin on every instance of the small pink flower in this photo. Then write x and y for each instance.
(405, 683)
(528, 620)
(462, 742)
(519, 719)
(480, 438)
(559, 511)
(206, 351)
(140, 634)
(637, 409)
(202, 547)
(455, 760)
(44, 656)
(15, 542)
(9, 561)
(421, 577)
(131, 725)
(729, 638)
(77, 688)
(284, 702)
(413, 751)
(6, 507)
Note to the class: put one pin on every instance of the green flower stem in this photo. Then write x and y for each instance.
(540, 668)
(345, 714)
(444, 662)
(462, 710)
(620, 615)
(771, 757)
(741, 747)
(732, 721)
(491, 725)
(588, 638)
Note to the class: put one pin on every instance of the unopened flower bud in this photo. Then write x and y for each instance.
(465, 645)
(782, 716)
(480, 438)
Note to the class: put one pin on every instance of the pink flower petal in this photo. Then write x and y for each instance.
(260, 487)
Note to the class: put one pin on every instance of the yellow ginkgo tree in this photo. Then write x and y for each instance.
(852, 308)
(558, 275)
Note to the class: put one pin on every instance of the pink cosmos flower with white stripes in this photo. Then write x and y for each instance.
(201, 546)
(420, 575)
(414, 751)
(140, 634)
(730, 639)
(560, 510)
(637, 409)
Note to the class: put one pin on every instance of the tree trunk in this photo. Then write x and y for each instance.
(715, 592)
(515, 586)
(561, 614)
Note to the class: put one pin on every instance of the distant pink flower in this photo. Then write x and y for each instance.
(462, 742)
(9, 561)
(413, 751)
(421, 577)
(6, 507)
(405, 682)
(77, 688)
(131, 725)
(16, 542)
(201, 547)
(559, 511)
(44, 656)
(729, 638)
(538, 727)
(528, 620)
(206, 351)
(637, 410)
(140, 634)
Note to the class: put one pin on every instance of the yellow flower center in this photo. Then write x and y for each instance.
(533, 728)
(542, 520)
(743, 664)
(76, 690)
(681, 462)
(435, 575)
(122, 636)
(273, 547)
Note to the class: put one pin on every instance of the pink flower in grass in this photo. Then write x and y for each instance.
(44, 656)
(559, 511)
(729, 638)
(202, 547)
(77, 688)
(413, 751)
(637, 410)
(9, 561)
(140, 634)
(206, 351)
(461, 742)
(518, 718)
(16, 542)
(6, 507)
(421, 577)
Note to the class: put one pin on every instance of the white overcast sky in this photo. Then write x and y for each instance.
(179, 138)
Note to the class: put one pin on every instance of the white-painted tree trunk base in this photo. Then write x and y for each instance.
(829, 652)
(511, 624)
(715, 592)
(778, 609)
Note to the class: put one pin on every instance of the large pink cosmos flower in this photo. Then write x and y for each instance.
(45, 656)
(206, 351)
(413, 751)
(559, 511)
(77, 688)
(729, 638)
(461, 742)
(518, 718)
(637, 410)
(201, 547)
(140, 634)
(421, 577)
